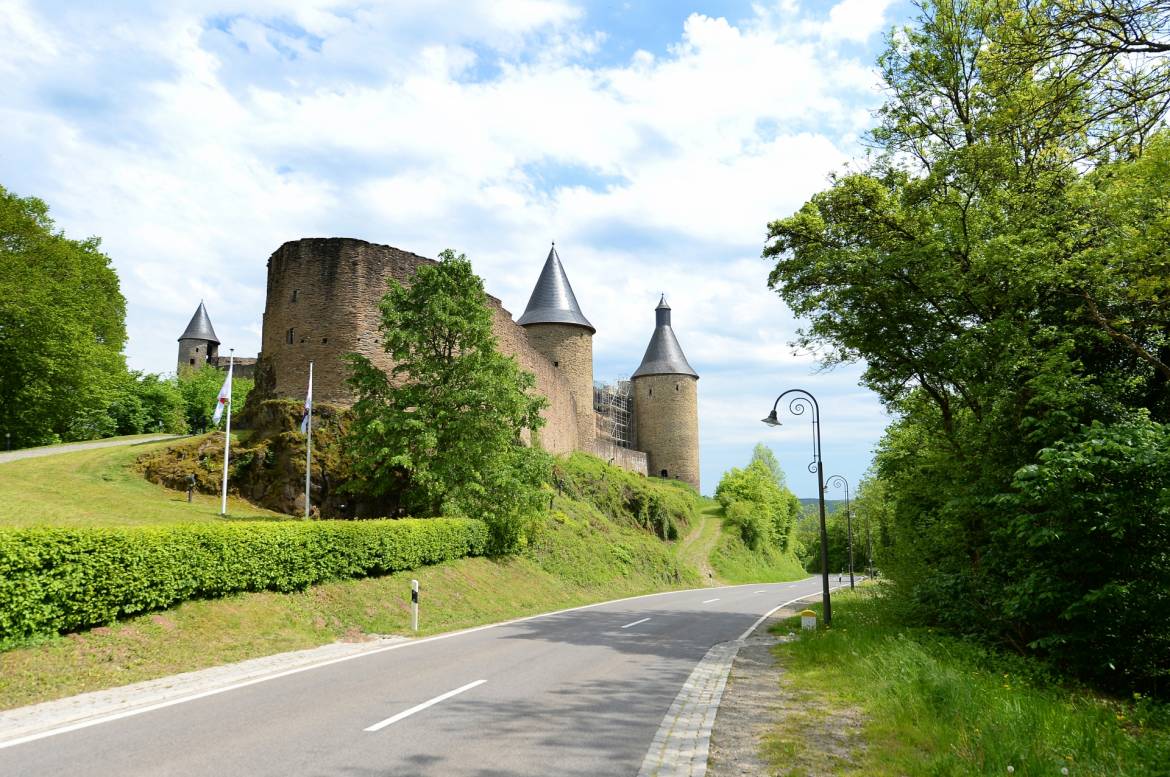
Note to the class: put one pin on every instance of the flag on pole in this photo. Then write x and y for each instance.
(225, 396)
(308, 405)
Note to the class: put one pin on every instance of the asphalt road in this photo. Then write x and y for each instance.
(573, 693)
(53, 450)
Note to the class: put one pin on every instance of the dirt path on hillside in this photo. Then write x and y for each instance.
(695, 549)
(53, 450)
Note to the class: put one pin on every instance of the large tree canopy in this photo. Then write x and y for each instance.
(1002, 268)
(441, 431)
(62, 329)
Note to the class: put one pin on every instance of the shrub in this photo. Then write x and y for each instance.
(57, 580)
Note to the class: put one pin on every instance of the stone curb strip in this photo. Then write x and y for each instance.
(22, 722)
(683, 740)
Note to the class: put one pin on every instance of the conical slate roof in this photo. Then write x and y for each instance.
(664, 356)
(553, 301)
(200, 327)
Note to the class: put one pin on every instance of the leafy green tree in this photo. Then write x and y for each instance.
(762, 509)
(441, 431)
(199, 390)
(1001, 266)
(148, 403)
(62, 328)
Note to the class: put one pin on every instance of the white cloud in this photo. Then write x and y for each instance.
(196, 137)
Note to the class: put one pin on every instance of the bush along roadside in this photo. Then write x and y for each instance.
(58, 580)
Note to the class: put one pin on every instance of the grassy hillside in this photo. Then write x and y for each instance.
(580, 554)
(102, 488)
(927, 704)
(734, 562)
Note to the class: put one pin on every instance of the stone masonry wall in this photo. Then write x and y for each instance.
(627, 459)
(666, 419)
(322, 303)
(570, 350)
(193, 354)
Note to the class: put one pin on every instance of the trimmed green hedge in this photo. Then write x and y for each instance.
(58, 580)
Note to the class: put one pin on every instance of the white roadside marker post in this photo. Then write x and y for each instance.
(808, 620)
(414, 604)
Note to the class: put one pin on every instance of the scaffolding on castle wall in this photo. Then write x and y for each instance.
(613, 409)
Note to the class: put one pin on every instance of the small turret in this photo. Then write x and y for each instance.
(198, 342)
(559, 331)
(666, 405)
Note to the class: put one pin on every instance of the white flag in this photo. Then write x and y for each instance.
(225, 396)
(308, 405)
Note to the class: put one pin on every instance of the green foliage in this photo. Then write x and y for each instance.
(62, 328)
(1094, 515)
(936, 705)
(199, 390)
(441, 432)
(757, 504)
(665, 507)
(59, 580)
(1001, 266)
(148, 403)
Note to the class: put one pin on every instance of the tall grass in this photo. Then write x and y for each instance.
(936, 705)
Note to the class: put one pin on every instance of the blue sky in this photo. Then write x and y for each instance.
(652, 141)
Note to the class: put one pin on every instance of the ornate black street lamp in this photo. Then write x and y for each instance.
(848, 520)
(797, 406)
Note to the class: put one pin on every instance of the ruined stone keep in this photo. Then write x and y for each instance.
(322, 303)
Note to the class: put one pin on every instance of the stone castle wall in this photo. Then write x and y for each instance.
(193, 354)
(626, 458)
(570, 350)
(666, 425)
(322, 303)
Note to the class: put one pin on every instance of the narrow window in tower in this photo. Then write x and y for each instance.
(556, 364)
(296, 293)
(676, 387)
(324, 340)
(288, 337)
(192, 361)
(196, 349)
(651, 392)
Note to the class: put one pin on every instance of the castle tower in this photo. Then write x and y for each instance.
(198, 342)
(559, 331)
(666, 405)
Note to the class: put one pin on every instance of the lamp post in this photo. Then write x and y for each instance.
(848, 520)
(797, 405)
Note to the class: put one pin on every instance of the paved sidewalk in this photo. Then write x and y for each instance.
(52, 450)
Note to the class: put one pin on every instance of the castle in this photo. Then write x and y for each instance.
(322, 303)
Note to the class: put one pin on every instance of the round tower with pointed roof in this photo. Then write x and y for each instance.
(559, 331)
(666, 405)
(198, 342)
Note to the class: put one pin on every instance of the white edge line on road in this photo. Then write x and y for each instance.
(760, 592)
(297, 670)
(708, 601)
(423, 706)
(768, 614)
(635, 623)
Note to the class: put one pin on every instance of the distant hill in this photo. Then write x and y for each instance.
(831, 505)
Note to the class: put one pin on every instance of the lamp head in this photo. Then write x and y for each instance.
(771, 420)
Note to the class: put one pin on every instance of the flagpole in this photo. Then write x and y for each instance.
(227, 434)
(308, 439)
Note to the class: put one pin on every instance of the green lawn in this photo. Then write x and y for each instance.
(936, 706)
(101, 488)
